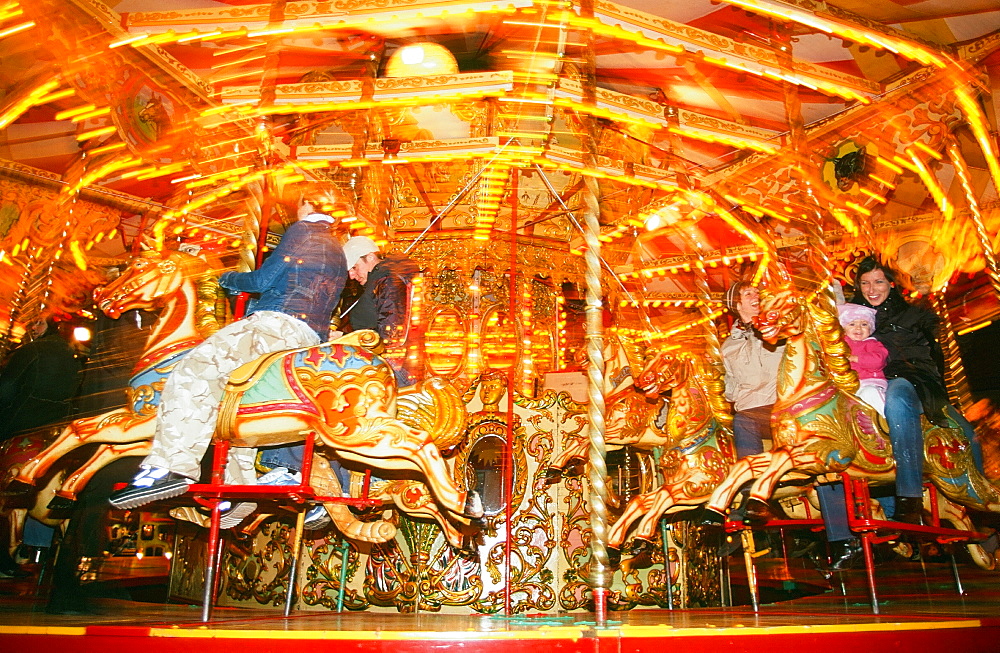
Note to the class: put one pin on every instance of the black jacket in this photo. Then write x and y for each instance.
(910, 334)
(37, 384)
(384, 302)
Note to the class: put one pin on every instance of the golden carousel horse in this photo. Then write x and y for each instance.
(820, 427)
(631, 417)
(341, 390)
(700, 450)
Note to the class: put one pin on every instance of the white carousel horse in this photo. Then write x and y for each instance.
(631, 417)
(185, 291)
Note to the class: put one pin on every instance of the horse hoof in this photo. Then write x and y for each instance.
(17, 488)
(553, 475)
(61, 503)
(711, 518)
(614, 557)
(758, 512)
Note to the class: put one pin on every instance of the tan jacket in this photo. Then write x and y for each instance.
(751, 369)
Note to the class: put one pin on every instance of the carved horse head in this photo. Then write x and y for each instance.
(153, 278)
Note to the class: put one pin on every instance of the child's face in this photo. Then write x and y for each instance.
(858, 329)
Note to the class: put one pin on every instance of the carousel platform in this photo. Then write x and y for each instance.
(921, 611)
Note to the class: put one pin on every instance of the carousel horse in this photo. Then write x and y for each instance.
(185, 290)
(419, 406)
(174, 282)
(15, 508)
(700, 449)
(820, 427)
(631, 417)
(344, 393)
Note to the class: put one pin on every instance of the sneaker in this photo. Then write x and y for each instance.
(316, 518)
(151, 484)
(233, 514)
(280, 476)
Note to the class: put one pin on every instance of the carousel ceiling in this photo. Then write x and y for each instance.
(716, 135)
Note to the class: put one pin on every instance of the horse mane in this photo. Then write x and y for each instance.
(211, 307)
(211, 310)
(830, 336)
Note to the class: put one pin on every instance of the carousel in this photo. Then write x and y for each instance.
(578, 184)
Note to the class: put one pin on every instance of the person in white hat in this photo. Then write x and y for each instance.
(384, 304)
(382, 307)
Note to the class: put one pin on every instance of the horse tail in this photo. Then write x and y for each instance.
(375, 532)
(434, 406)
(712, 383)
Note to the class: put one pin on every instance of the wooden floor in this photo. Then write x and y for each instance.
(920, 611)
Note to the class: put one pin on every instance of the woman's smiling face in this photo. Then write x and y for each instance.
(875, 287)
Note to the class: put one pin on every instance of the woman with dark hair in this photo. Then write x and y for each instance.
(915, 373)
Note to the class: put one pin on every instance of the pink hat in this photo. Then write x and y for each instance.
(851, 312)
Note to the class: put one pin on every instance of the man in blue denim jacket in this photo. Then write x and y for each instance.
(299, 285)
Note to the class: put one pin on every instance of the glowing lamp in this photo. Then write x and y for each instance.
(421, 59)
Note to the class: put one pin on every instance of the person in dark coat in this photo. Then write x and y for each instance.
(915, 373)
(384, 304)
(39, 381)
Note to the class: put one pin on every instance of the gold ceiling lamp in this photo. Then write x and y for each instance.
(421, 59)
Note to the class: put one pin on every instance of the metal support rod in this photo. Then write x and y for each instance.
(746, 535)
(344, 549)
(594, 312)
(293, 571)
(866, 545)
(665, 537)
(212, 562)
(954, 570)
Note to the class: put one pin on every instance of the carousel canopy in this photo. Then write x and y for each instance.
(708, 139)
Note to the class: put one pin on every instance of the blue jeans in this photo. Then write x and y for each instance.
(975, 447)
(902, 412)
(750, 428)
(834, 508)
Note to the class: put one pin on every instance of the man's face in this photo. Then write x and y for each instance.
(875, 287)
(361, 269)
(748, 305)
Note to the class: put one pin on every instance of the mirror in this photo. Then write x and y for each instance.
(486, 461)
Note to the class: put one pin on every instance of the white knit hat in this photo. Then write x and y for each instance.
(357, 247)
(851, 312)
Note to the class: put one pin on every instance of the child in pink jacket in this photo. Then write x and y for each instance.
(868, 355)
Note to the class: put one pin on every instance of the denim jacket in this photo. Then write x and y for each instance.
(303, 277)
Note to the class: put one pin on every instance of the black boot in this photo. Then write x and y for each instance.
(909, 510)
(845, 554)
